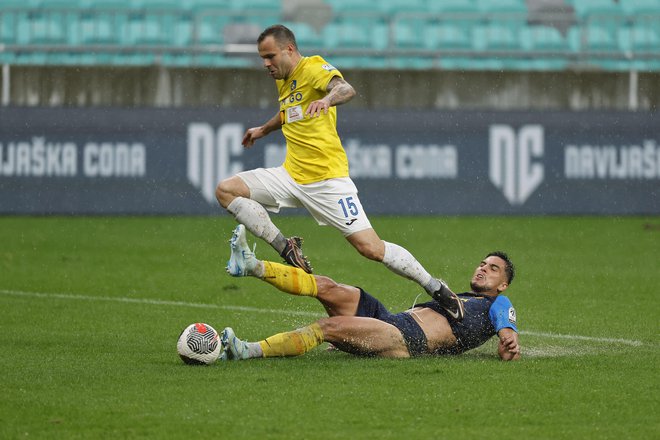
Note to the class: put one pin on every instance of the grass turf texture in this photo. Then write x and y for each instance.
(91, 309)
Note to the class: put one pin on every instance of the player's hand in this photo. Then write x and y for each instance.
(251, 135)
(315, 108)
(508, 347)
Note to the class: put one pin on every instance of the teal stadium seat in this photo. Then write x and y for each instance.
(502, 6)
(306, 36)
(448, 37)
(640, 7)
(208, 26)
(585, 9)
(348, 35)
(348, 7)
(498, 36)
(394, 7)
(55, 23)
(593, 39)
(548, 48)
(453, 7)
(14, 24)
(105, 23)
(407, 32)
(642, 39)
(260, 12)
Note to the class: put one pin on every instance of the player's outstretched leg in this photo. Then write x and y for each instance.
(242, 260)
(294, 256)
(449, 301)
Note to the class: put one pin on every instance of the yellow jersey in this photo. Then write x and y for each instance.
(313, 149)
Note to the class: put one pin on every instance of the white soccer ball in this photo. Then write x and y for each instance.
(199, 344)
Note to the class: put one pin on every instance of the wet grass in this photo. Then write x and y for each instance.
(91, 309)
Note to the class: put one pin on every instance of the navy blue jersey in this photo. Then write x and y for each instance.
(484, 317)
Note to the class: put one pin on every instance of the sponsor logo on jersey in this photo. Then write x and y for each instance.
(328, 67)
(512, 315)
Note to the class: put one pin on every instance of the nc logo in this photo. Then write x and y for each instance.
(511, 168)
(209, 153)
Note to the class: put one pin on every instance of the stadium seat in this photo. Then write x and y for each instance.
(502, 6)
(585, 8)
(351, 6)
(640, 7)
(408, 32)
(593, 39)
(208, 25)
(544, 39)
(153, 27)
(641, 40)
(448, 37)
(306, 36)
(394, 7)
(14, 24)
(547, 48)
(346, 35)
(453, 6)
(497, 36)
(55, 22)
(105, 23)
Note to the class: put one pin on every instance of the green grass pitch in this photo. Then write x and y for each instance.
(91, 307)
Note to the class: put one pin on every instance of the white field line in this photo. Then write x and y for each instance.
(277, 311)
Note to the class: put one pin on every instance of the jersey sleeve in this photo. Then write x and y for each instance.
(324, 72)
(502, 314)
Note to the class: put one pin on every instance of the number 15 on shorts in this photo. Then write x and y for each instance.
(349, 207)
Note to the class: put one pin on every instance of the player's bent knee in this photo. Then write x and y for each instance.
(227, 190)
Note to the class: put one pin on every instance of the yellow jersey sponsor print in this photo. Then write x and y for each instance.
(313, 149)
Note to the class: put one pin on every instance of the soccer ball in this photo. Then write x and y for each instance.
(199, 344)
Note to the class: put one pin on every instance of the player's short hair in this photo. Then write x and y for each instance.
(509, 268)
(282, 35)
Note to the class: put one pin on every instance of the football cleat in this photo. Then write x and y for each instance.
(293, 254)
(242, 260)
(233, 349)
(449, 301)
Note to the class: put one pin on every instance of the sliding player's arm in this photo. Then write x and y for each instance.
(508, 347)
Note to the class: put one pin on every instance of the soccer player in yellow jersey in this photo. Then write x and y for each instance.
(315, 171)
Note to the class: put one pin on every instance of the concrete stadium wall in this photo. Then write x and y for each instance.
(249, 88)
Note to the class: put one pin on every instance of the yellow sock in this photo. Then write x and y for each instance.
(290, 279)
(293, 343)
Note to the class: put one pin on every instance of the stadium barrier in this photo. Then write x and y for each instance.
(167, 161)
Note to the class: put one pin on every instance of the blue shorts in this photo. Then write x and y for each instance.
(413, 335)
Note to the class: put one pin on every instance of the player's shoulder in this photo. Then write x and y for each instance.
(502, 300)
(318, 62)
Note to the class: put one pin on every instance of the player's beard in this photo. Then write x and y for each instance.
(476, 288)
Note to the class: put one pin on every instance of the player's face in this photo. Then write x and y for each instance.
(489, 277)
(277, 59)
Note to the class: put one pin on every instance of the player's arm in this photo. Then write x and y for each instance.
(339, 92)
(254, 133)
(508, 347)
